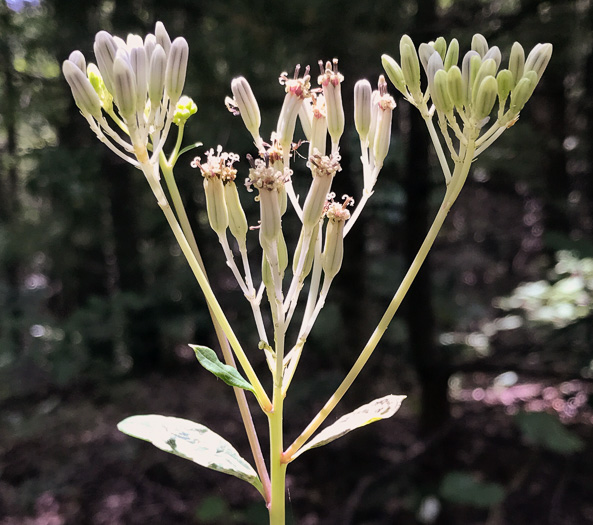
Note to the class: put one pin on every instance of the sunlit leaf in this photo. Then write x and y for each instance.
(381, 408)
(230, 375)
(463, 488)
(543, 429)
(191, 441)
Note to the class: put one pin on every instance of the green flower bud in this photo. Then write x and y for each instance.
(184, 109)
(394, 73)
(522, 92)
(455, 86)
(156, 79)
(216, 204)
(269, 181)
(382, 136)
(162, 37)
(480, 44)
(124, 84)
(297, 89)
(176, 69)
(247, 104)
(310, 253)
(323, 169)
(237, 220)
(105, 50)
(333, 250)
(306, 117)
(77, 58)
(410, 66)
(485, 98)
(452, 55)
(96, 81)
(440, 45)
(487, 69)
(538, 59)
(282, 253)
(85, 96)
(517, 62)
(505, 84)
(440, 92)
(362, 108)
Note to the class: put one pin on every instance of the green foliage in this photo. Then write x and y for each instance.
(382, 408)
(230, 375)
(191, 441)
(545, 431)
(464, 489)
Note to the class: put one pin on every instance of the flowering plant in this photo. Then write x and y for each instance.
(131, 100)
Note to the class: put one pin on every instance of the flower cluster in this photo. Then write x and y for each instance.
(138, 84)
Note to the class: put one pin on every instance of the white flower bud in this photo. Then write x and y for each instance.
(538, 59)
(78, 58)
(149, 45)
(467, 75)
(425, 51)
(85, 96)
(176, 69)
(480, 44)
(156, 79)
(124, 85)
(494, 54)
(308, 264)
(362, 108)
(318, 127)
(139, 65)
(297, 89)
(105, 50)
(247, 104)
(162, 37)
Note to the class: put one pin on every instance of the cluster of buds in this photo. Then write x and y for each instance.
(473, 88)
(138, 84)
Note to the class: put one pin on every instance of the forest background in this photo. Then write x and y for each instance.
(97, 305)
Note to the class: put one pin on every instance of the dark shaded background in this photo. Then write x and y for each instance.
(97, 304)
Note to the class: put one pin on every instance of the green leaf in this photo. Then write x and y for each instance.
(544, 430)
(463, 488)
(191, 441)
(230, 375)
(381, 408)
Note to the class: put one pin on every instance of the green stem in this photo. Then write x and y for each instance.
(458, 178)
(260, 393)
(260, 464)
(278, 466)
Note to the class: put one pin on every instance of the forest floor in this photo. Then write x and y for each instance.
(63, 461)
